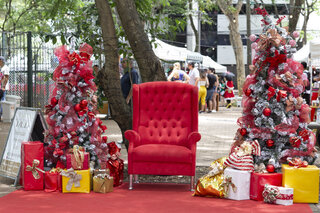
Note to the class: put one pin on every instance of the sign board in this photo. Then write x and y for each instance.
(28, 125)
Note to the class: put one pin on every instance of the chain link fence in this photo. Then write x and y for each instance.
(31, 62)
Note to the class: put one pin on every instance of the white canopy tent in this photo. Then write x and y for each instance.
(302, 54)
(315, 48)
(169, 52)
(208, 62)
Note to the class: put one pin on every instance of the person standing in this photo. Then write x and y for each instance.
(228, 94)
(215, 96)
(210, 90)
(203, 83)
(4, 77)
(178, 75)
(129, 78)
(306, 83)
(193, 74)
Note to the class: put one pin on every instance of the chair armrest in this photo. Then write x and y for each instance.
(194, 137)
(133, 137)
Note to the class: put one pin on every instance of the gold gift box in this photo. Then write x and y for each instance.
(84, 182)
(102, 185)
(304, 181)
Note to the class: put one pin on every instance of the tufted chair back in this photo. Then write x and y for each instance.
(165, 112)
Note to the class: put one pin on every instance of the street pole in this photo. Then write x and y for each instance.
(248, 11)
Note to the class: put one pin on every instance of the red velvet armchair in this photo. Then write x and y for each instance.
(165, 130)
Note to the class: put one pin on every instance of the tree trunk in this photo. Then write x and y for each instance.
(294, 14)
(195, 31)
(236, 42)
(149, 65)
(109, 77)
(235, 39)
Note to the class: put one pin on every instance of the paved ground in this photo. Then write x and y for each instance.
(217, 131)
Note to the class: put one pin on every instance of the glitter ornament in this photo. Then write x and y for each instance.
(270, 143)
(267, 112)
(270, 168)
(77, 108)
(253, 37)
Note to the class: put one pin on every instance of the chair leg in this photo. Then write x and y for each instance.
(136, 179)
(192, 183)
(130, 182)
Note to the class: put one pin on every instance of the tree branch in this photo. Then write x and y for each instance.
(8, 6)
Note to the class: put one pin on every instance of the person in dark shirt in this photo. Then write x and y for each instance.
(129, 78)
(210, 90)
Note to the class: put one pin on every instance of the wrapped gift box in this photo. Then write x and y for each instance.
(304, 181)
(278, 195)
(77, 161)
(259, 180)
(102, 183)
(75, 181)
(32, 157)
(53, 181)
(241, 180)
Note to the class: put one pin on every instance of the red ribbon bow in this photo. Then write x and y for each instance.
(297, 162)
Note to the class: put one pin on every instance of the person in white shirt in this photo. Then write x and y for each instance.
(193, 74)
(4, 78)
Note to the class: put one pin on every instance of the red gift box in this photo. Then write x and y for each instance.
(53, 181)
(258, 180)
(78, 159)
(32, 157)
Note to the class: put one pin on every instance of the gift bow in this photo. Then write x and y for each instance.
(270, 194)
(78, 156)
(55, 170)
(297, 162)
(74, 178)
(226, 183)
(34, 169)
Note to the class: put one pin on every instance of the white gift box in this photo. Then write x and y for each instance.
(285, 196)
(241, 179)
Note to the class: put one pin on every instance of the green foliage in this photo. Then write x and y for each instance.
(65, 21)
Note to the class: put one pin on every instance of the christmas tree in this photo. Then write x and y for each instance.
(274, 113)
(71, 112)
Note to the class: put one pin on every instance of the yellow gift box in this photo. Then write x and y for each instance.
(76, 181)
(304, 181)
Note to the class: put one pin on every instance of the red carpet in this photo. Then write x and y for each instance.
(144, 198)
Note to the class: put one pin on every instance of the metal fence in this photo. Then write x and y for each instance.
(31, 62)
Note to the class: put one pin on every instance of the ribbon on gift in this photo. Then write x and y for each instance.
(270, 194)
(226, 183)
(297, 162)
(285, 197)
(34, 169)
(55, 170)
(74, 178)
(78, 156)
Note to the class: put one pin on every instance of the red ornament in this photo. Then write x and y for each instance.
(267, 112)
(83, 103)
(54, 101)
(269, 143)
(77, 108)
(243, 131)
(248, 92)
(295, 141)
(270, 168)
